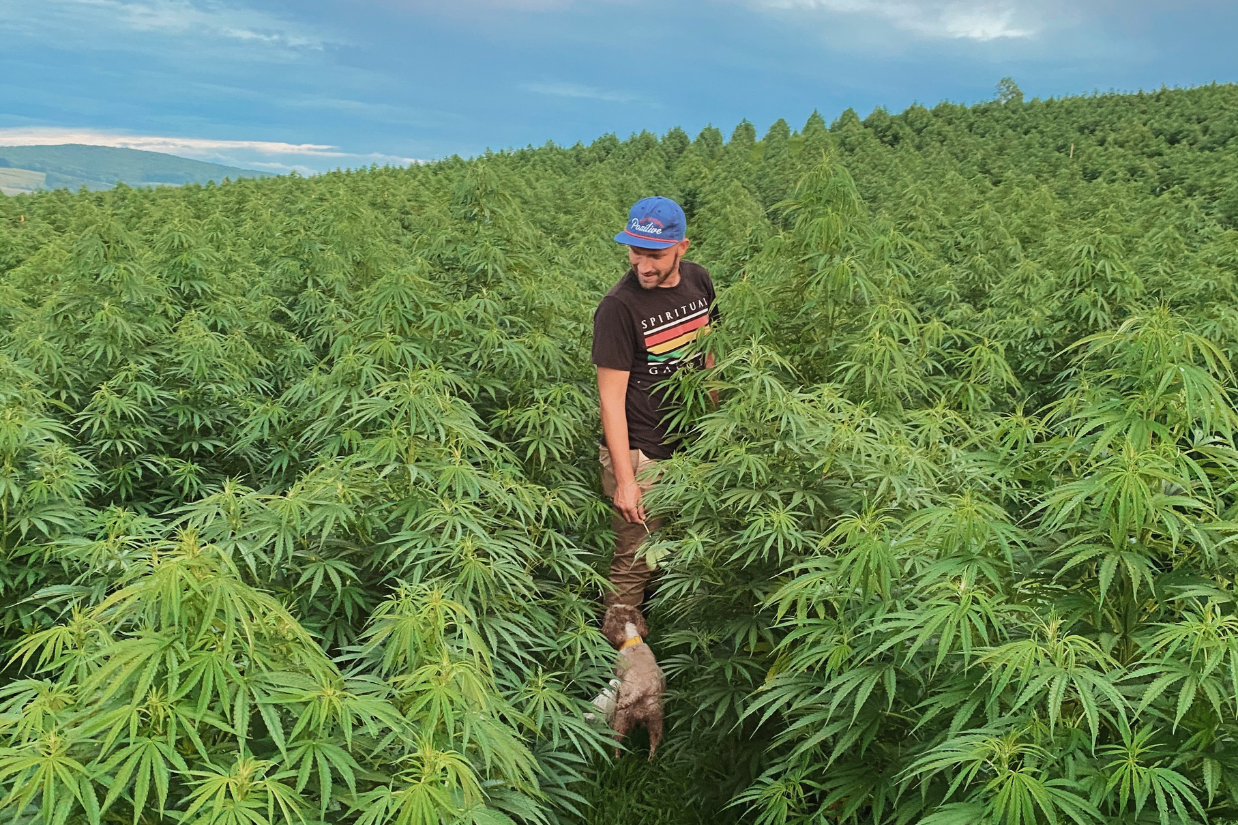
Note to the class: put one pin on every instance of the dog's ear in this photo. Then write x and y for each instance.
(641, 627)
(612, 625)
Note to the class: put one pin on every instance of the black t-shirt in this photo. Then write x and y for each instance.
(643, 332)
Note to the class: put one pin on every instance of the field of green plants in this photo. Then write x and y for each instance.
(300, 516)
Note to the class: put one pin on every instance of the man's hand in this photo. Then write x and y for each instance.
(628, 502)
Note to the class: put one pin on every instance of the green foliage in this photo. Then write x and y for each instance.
(300, 518)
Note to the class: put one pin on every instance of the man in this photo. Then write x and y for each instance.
(640, 328)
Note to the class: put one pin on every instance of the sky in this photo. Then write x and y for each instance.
(319, 84)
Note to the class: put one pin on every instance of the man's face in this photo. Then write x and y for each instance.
(654, 266)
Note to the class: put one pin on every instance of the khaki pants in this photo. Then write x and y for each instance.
(629, 575)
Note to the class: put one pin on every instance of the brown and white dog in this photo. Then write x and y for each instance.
(641, 681)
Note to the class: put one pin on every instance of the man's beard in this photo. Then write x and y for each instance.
(669, 273)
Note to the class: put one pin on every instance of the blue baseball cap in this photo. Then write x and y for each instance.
(654, 223)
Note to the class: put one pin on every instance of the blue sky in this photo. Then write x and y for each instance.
(316, 84)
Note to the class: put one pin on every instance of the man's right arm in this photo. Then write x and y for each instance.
(613, 392)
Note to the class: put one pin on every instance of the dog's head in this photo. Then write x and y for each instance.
(614, 624)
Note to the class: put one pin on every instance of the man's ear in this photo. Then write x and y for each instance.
(683, 246)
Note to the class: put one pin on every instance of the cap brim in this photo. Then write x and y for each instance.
(629, 239)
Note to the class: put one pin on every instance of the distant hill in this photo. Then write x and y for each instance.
(72, 166)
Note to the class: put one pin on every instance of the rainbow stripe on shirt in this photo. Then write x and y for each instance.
(663, 341)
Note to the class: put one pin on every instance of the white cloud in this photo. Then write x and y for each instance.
(151, 143)
(83, 21)
(576, 90)
(930, 18)
(472, 8)
(260, 154)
